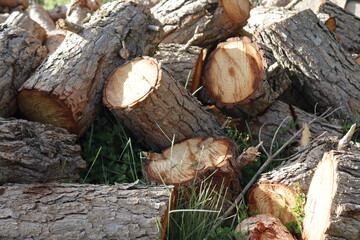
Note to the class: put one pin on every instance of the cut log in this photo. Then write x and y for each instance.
(54, 39)
(77, 11)
(181, 62)
(322, 69)
(59, 11)
(264, 227)
(42, 17)
(20, 54)
(347, 26)
(276, 192)
(31, 152)
(66, 88)
(195, 159)
(69, 211)
(155, 107)
(240, 78)
(333, 204)
(22, 20)
(296, 117)
(14, 3)
(201, 23)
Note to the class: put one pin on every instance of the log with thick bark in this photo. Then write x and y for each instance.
(66, 89)
(20, 54)
(23, 20)
(31, 152)
(333, 204)
(181, 62)
(296, 117)
(264, 227)
(194, 160)
(201, 23)
(347, 26)
(155, 107)
(69, 211)
(319, 65)
(242, 78)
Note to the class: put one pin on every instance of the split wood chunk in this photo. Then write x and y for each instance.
(31, 152)
(201, 23)
(264, 227)
(20, 54)
(42, 17)
(322, 69)
(195, 159)
(23, 20)
(155, 107)
(74, 211)
(59, 11)
(242, 78)
(66, 89)
(333, 205)
(14, 3)
(181, 62)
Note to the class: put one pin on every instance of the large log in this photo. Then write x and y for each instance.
(31, 152)
(214, 20)
(322, 69)
(20, 54)
(333, 204)
(69, 211)
(155, 107)
(66, 89)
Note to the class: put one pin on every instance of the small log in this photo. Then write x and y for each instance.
(155, 107)
(72, 211)
(240, 78)
(264, 227)
(31, 152)
(195, 159)
(23, 20)
(20, 54)
(77, 11)
(320, 68)
(332, 207)
(66, 89)
(59, 11)
(201, 23)
(14, 3)
(181, 62)
(42, 17)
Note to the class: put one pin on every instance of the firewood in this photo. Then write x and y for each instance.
(54, 39)
(181, 62)
(240, 78)
(195, 159)
(31, 152)
(23, 20)
(79, 10)
(73, 211)
(66, 89)
(155, 107)
(320, 68)
(200, 23)
(332, 206)
(3, 17)
(20, 54)
(14, 3)
(42, 17)
(59, 11)
(264, 227)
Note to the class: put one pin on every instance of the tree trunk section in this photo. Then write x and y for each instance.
(66, 89)
(70, 211)
(155, 107)
(264, 227)
(22, 20)
(318, 65)
(181, 62)
(32, 152)
(42, 17)
(333, 205)
(241, 78)
(214, 20)
(20, 54)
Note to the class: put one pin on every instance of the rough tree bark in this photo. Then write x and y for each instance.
(214, 20)
(155, 107)
(69, 211)
(333, 205)
(66, 89)
(317, 63)
(31, 152)
(20, 54)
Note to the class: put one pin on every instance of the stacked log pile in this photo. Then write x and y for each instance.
(159, 66)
